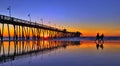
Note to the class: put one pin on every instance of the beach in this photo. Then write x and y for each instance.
(64, 52)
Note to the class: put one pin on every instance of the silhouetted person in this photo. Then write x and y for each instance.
(97, 36)
(102, 37)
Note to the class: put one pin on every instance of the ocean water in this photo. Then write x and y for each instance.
(74, 38)
(78, 51)
(89, 39)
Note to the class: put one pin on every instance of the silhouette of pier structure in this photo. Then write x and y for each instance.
(24, 30)
(13, 50)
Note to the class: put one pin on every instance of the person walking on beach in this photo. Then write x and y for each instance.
(97, 36)
(102, 37)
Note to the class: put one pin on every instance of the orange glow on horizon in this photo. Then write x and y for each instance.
(85, 29)
(90, 29)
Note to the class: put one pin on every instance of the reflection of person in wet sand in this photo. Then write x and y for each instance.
(99, 45)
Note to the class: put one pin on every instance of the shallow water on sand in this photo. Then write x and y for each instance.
(60, 53)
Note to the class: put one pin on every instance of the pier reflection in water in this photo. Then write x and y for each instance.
(59, 53)
(13, 50)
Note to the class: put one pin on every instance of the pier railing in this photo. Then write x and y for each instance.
(25, 27)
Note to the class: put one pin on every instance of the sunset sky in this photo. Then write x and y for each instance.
(86, 16)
